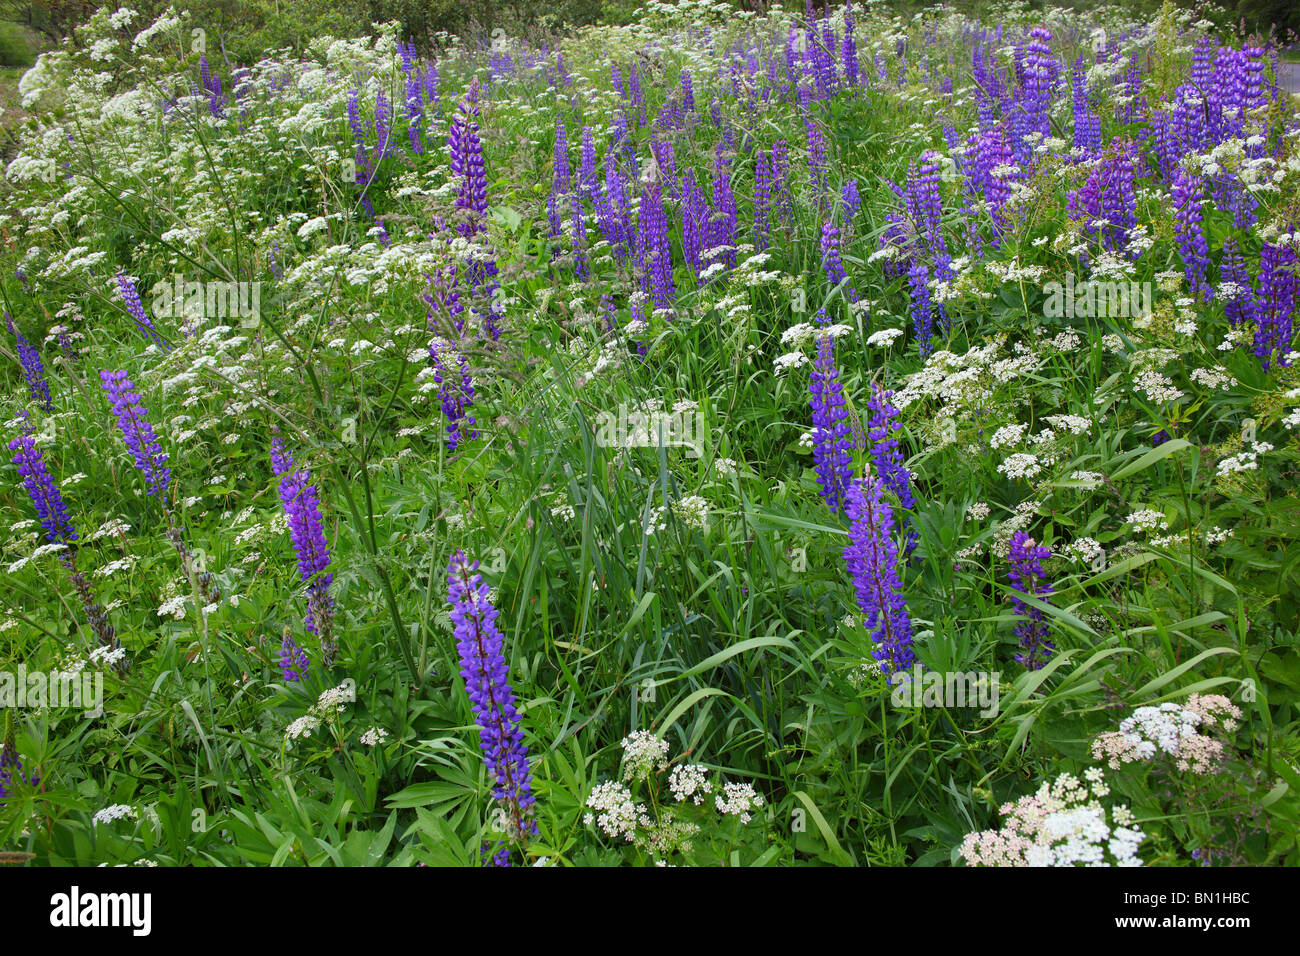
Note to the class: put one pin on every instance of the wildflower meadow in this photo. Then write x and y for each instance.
(721, 436)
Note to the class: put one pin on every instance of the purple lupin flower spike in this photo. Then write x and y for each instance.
(849, 49)
(588, 184)
(1275, 306)
(126, 285)
(50, 509)
(721, 231)
(133, 422)
(1087, 125)
(762, 199)
(918, 280)
(872, 559)
(307, 532)
(281, 459)
(560, 178)
(1187, 196)
(467, 163)
(414, 113)
(1026, 574)
(455, 391)
(480, 645)
(831, 261)
(654, 249)
(832, 442)
(53, 515)
(33, 367)
(888, 458)
(852, 199)
(293, 659)
(694, 222)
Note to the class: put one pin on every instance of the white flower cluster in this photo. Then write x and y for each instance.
(1164, 727)
(1082, 835)
(690, 781)
(1063, 824)
(302, 727)
(738, 799)
(614, 810)
(1147, 520)
(335, 699)
(1244, 460)
(612, 807)
(1212, 378)
(1020, 465)
(118, 811)
(643, 754)
(1008, 435)
(1086, 550)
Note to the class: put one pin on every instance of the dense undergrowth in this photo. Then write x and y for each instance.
(588, 367)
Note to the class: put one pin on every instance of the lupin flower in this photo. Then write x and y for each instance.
(1038, 72)
(383, 127)
(1187, 196)
(832, 441)
(1239, 304)
(53, 515)
(467, 164)
(414, 113)
(50, 509)
(612, 210)
(136, 431)
(721, 230)
(1087, 125)
(1108, 196)
(654, 249)
(126, 285)
(694, 222)
(849, 49)
(918, 280)
(455, 391)
(307, 532)
(560, 177)
(872, 560)
(818, 163)
(302, 507)
(33, 368)
(1026, 574)
(480, 645)
(578, 224)
(886, 456)
(212, 86)
(1279, 292)
(762, 199)
(852, 198)
(588, 184)
(293, 659)
(831, 261)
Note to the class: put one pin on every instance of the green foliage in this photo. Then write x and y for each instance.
(736, 639)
